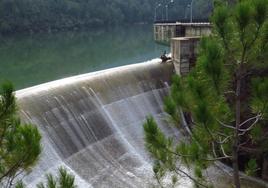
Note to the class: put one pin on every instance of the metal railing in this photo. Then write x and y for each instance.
(183, 20)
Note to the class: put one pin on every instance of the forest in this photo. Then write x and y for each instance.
(53, 15)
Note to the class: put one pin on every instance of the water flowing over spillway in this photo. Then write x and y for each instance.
(92, 124)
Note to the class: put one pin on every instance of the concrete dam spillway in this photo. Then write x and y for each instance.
(91, 124)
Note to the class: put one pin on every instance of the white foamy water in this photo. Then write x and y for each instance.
(92, 124)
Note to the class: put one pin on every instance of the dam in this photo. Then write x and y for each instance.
(91, 124)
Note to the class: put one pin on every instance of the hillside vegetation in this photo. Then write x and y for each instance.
(47, 15)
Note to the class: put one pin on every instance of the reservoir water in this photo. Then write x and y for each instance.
(91, 124)
(28, 60)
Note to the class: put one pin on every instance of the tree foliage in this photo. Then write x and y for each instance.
(19, 143)
(20, 146)
(63, 180)
(226, 95)
(46, 15)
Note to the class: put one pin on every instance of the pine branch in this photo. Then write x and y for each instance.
(225, 139)
(223, 152)
(221, 134)
(213, 150)
(218, 158)
(14, 176)
(8, 182)
(178, 171)
(249, 46)
(14, 167)
(258, 117)
(225, 125)
(218, 142)
(250, 127)
(190, 156)
(213, 138)
(158, 181)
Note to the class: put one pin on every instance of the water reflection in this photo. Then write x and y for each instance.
(30, 60)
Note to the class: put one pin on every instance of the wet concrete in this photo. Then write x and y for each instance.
(92, 123)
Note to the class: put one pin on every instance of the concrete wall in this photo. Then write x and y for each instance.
(198, 31)
(184, 52)
(164, 32)
(92, 124)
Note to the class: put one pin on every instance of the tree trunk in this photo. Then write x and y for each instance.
(265, 168)
(237, 123)
(235, 167)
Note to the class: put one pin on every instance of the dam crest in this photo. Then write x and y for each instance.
(92, 124)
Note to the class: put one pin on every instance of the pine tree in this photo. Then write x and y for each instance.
(63, 180)
(19, 143)
(20, 146)
(226, 96)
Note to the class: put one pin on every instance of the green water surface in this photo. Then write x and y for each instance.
(28, 60)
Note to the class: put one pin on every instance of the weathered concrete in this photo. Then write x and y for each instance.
(163, 32)
(184, 52)
(92, 124)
